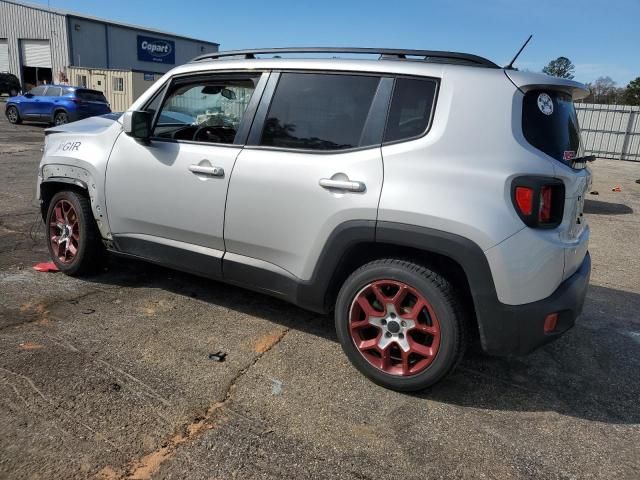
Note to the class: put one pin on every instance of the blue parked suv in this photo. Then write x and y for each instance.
(56, 104)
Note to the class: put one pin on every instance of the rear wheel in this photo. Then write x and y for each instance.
(74, 241)
(400, 324)
(13, 115)
(60, 118)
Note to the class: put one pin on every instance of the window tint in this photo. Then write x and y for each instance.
(54, 91)
(319, 111)
(550, 124)
(91, 96)
(207, 111)
(411, 107)
(38, 91)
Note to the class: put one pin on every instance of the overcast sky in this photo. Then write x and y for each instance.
(601, 37)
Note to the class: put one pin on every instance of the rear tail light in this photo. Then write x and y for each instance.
(524, 200)
(550, 323)
(546, 197)
(538, 201)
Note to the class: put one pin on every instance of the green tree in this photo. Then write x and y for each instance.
(632, 92)
(560, 67)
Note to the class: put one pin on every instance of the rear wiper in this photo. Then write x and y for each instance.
(581, 162)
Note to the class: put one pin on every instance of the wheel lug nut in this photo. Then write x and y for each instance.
(393, 315)
(383, 321)
(403, 323)
(388, 334)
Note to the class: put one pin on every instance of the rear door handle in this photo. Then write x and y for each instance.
(348, 185)
(212, 171)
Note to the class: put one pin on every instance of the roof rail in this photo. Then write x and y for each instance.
(384, 53)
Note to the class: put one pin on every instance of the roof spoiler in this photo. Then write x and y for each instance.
(525, 81)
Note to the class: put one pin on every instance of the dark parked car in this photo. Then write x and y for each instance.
(56, 104)
(10, 84)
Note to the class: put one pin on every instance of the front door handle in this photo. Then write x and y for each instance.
(348, 185)
(212, 171)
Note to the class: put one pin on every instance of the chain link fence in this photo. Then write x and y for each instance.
(610, 131)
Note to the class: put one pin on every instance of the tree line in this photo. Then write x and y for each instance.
(603, 89)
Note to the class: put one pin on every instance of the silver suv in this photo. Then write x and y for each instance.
(421, 197)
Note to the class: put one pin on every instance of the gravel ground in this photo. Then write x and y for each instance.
(109, 377)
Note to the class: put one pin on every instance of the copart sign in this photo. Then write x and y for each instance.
(156, 50)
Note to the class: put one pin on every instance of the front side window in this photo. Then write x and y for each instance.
(54, 91)
(206, 111)
(314, 111)
(411, 108)
(38, 91)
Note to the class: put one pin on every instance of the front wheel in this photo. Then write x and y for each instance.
(401, 324)
(13, 115)
(73, 237)
(60, 118)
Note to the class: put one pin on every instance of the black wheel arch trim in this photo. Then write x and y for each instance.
(504, 329)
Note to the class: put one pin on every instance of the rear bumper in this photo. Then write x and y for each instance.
(519, 329)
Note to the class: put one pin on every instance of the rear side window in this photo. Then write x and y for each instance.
(314, 111)
(550, 124)
(38, 91)
(411, 108)
(91, 96)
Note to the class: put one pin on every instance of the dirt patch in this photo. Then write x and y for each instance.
(264, 343)
(107, 473)
(144, 468)
(35, 312)
(30, 346)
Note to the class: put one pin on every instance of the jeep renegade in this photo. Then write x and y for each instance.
(419, 196)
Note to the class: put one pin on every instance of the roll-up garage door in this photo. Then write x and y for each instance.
(4, 56)
(36, 53)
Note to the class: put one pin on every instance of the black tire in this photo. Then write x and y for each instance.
(90, 250)
(13, 115)
(60, 118)
(441, 295)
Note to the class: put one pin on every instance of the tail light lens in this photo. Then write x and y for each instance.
(524, 200)
(546, 198)
(538, 201)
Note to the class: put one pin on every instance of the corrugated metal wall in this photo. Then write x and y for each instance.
(610, 131)
(33, 24)
(119, 101)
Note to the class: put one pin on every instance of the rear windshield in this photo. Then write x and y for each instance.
(550, 124)
(91, 96)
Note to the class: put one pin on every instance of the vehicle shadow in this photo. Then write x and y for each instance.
(592, 372)
(598, 207)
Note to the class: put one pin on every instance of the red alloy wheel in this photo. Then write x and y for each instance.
(394, 327)
(64, 231)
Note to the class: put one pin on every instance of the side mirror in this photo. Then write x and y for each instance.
(137, 124)
(28, 95)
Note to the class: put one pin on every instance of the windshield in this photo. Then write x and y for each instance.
(550, 124)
